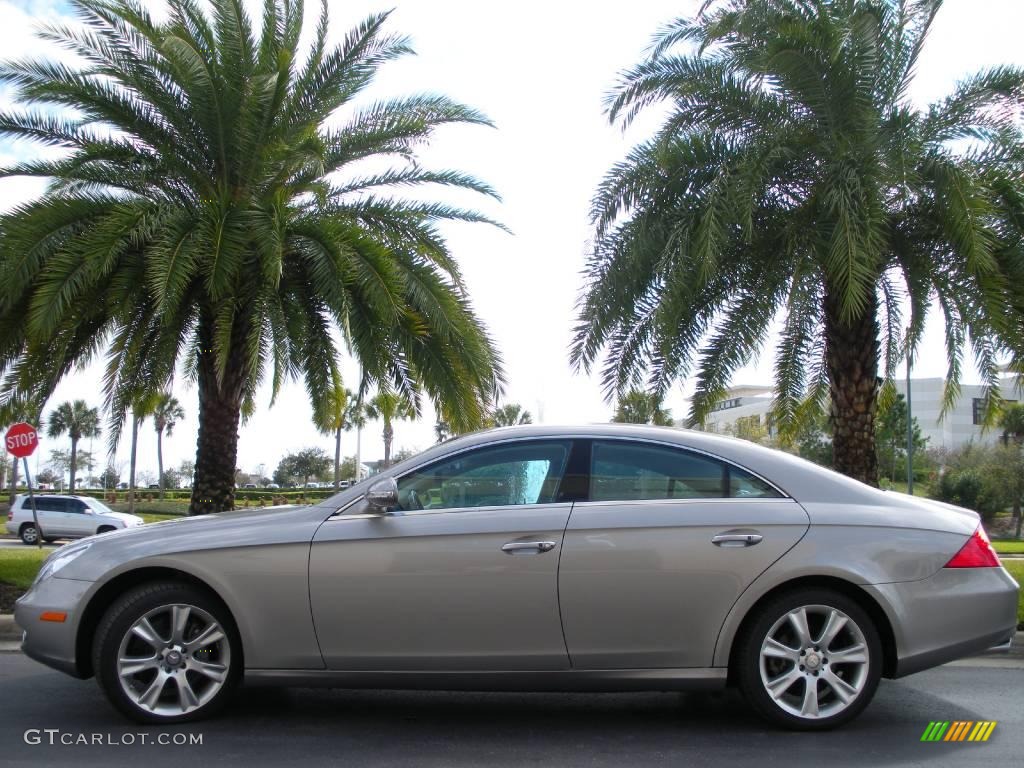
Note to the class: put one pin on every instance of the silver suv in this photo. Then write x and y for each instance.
(65, 517)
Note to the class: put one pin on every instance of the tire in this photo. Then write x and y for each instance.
(841, 689)
(178, 675)
(29, 535)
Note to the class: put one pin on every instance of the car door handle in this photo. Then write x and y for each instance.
(737, 539)
(526, 547)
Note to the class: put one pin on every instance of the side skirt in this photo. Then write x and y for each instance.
(599, 680)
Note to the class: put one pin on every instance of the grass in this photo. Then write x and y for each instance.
(1016, 569)
(19, 566)
(1009, 547)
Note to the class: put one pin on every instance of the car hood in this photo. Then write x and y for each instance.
(122, 516)
(164, 540)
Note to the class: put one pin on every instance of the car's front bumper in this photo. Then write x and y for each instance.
(52, 642)
(957, 612)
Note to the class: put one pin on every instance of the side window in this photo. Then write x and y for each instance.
(45, 504)
(496, 476)
(743, 485)
(76, 506)
(622, 471)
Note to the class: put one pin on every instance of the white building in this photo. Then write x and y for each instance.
(960, 426)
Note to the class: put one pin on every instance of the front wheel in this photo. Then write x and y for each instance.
(167, 653)
(809, 660)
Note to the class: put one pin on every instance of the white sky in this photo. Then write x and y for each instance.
(539, 70)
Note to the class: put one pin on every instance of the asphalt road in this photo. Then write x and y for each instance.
(302, 727)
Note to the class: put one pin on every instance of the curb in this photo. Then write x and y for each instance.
(9, 631)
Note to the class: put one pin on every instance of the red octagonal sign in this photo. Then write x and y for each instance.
(21, 440)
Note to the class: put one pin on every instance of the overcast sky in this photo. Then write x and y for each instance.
(539, 70)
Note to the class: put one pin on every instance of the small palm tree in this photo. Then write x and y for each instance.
(223, 201)
(389, 407)
(1012, 423)
(340, 413)
(638, 407)
(509, 415)
(77, 420)
(166, 412)
(794, 178)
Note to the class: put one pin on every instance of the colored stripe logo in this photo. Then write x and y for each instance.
(959, 730)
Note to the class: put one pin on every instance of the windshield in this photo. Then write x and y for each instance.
(98, 506)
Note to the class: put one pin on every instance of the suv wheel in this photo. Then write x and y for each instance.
(167, 652)
(809, 660)
(29, 534)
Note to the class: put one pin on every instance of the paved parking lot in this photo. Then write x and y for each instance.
(363, 728)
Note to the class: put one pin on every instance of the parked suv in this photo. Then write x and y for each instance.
(65, 517)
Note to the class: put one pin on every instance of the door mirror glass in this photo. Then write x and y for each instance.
(382, 495)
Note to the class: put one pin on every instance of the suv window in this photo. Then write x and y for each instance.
(625, 471)
(496, 476)
(46, 504)
(75, 505)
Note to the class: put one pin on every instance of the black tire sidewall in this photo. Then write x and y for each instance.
(125, 611)
(748, 658)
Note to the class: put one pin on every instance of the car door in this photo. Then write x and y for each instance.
(50, 511)
(78, 518)
(462, 576)
(662, 547)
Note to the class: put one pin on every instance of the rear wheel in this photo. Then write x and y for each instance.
(167, 652)
(29, 534)
(810, 659)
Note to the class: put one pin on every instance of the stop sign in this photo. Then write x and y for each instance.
(21, 440)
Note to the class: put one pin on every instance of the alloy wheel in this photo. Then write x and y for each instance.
(173, 660)
(814, 661)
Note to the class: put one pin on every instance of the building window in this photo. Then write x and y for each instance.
(725, 405)
(978, 409)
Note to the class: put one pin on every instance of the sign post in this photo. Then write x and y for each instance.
(21, 441)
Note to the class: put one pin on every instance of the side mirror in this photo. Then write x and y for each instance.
(382, 495)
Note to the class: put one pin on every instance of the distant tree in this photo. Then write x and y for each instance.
(1012, 423)
(186, 471)
(146, 478)
(442, 430)
(111, 476)
(169, 479)
(340, 412)
(749, 428)
(389, 407)
(77, 420)
(509, 415)
(891, 437)
(166, 412)
(47, 476)
(402, 454)
(304, 464)
(638, 407)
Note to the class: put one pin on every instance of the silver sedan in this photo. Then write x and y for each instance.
(602, 558)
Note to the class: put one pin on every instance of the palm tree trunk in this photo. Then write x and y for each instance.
(74, 464)
(337, 458)
(220, 409)
(852, 356)
(160, 460)
(389, 435)
(131, 471)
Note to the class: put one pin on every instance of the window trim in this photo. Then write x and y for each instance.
(578, 440)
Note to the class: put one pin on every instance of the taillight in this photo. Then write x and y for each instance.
(976, 553)
(10, 515)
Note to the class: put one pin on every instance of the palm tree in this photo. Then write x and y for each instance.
(638, 407)
(77, 420)
(340, 413)
(1012, 423)
(509, 415)
(167, 412)
(212, 206)
(389, 407)
(794, 178)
